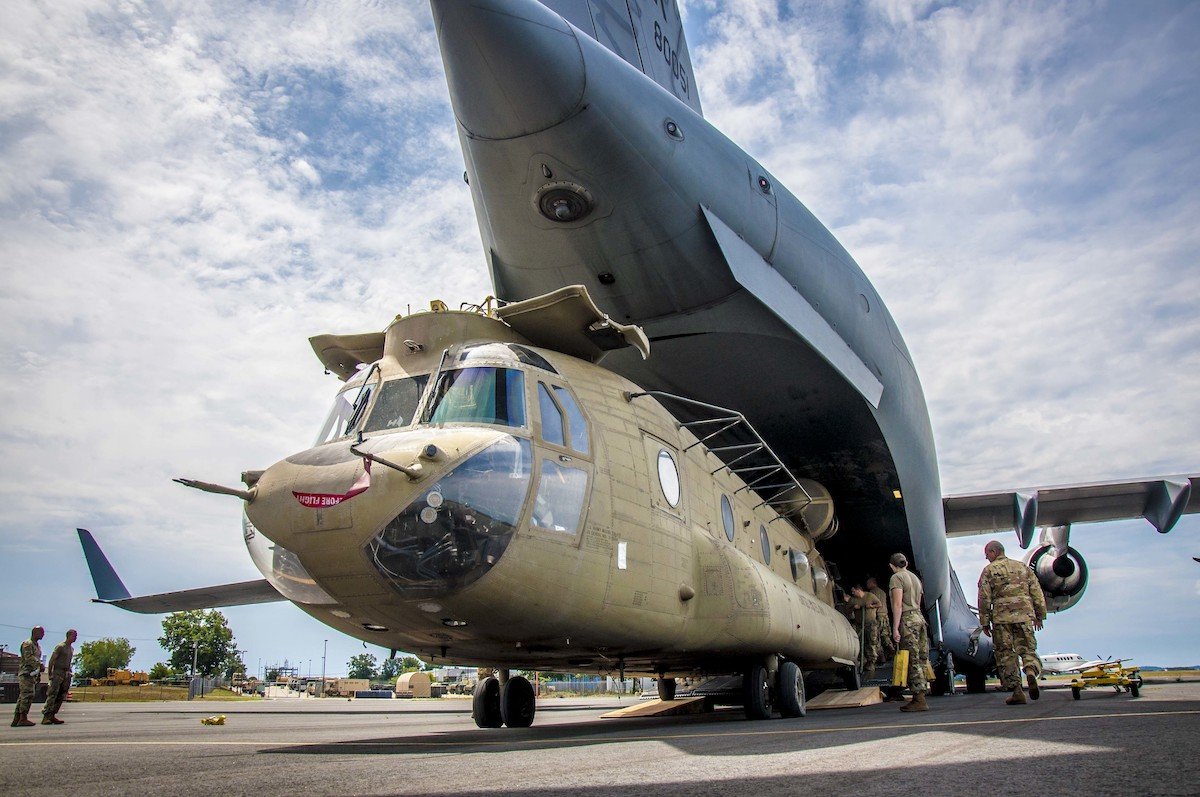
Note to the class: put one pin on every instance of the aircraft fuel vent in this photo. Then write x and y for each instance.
(731, 438)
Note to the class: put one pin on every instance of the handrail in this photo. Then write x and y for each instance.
(733, 419)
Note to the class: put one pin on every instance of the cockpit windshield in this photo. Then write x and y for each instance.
(479, 395)
(396, 406)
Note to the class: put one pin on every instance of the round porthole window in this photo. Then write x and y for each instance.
(766, 544)
(727, 516)
(668, 477)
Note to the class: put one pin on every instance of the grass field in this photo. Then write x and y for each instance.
(142, 694)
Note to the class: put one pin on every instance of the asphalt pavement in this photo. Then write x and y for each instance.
(1104, 744)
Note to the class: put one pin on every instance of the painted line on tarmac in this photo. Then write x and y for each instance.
(541, 740)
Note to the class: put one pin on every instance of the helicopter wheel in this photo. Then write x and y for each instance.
(756, 692)
(485, 704)
(517, 702)
(1076, 692)
(791, 690)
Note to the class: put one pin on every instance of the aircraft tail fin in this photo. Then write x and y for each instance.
(646, 33)
(108, 584)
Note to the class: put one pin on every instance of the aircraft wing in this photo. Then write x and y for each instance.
(110, 589)
(1160, 501)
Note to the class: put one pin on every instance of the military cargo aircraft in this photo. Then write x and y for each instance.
(590, 163)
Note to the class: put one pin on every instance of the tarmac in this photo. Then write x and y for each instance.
(1103, 744)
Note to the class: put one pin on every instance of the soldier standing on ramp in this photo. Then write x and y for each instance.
(60, 678)
(886, 646)
(30, 671)
(1011, 606)
(908, 628)
(872, 655)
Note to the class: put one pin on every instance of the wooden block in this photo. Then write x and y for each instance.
(840, 698)
(661, 708)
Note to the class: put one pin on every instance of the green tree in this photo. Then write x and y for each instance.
(204, 633)
(389, 669)
(362, 666)
(233, 663)
(272, 674)
(95, 658)
(161, 672)
(410, 664)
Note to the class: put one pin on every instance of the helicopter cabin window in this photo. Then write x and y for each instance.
(396, 406)
(552, 418)
(479, 395)
(579, 429)
(559, 500)
(668, 477)
(727, 517)
(765, 541)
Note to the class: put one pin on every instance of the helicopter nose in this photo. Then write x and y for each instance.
(514, 66)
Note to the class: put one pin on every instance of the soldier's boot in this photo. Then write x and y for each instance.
(47, 719)
(1017, 698)
(16, 718)
(23, 721)
(1031, 679)
(916, 704)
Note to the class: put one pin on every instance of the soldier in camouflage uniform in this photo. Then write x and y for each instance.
(1011, 607)
(29, 673)
(886, 647)
(60, 678)
(908, 628)
(871, 608)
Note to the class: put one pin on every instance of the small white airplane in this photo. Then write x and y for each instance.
(1063, 663)
(1058, 663)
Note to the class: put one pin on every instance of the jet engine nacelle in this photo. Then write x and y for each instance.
(1063, 577)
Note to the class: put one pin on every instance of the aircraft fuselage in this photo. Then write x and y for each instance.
(543, 518)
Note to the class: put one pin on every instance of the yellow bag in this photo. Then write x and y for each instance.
(928, 671)
(900, 668)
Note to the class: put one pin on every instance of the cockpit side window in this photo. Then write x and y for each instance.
(552, 418)
(479, 395)
(578, 424)
(397, 403)
(559, 501)
(348, 407)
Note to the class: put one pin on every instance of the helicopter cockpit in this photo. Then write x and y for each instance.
(458, 527)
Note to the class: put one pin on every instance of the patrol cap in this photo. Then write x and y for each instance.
(899, 560)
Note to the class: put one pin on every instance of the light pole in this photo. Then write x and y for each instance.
(324, 650)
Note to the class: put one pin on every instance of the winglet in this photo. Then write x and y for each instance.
(108, 583)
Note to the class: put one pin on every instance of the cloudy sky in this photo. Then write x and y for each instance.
(188, 191)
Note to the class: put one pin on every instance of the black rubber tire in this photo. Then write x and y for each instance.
(485, 704)
(666, 688)
(517, 702)
(976, 680)
(1133, 689)
(790, 690)
(756, 692)
(1076, 692)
